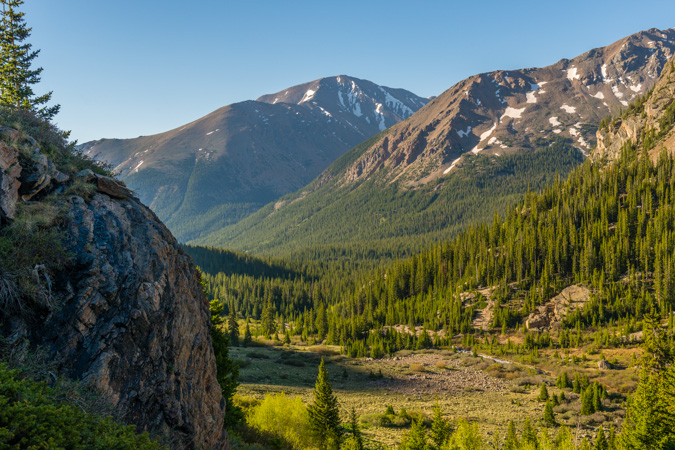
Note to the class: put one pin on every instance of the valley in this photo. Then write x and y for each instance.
(342, 265)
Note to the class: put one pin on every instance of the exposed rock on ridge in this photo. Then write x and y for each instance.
(127, 313)
(502, 112)
(631, 127)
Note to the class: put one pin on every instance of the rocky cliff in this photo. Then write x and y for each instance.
(123, 310)
(651, 118)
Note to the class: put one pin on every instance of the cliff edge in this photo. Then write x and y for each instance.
(103, 288)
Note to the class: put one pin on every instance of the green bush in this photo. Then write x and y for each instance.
(283, 417)
(31, 418)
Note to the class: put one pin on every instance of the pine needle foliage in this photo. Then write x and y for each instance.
(324, 414)
(16, 55)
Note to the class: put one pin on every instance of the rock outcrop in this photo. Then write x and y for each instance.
(549, 315)
(631, 127)
(127, 314)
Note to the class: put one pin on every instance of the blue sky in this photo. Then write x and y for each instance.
(126, 68)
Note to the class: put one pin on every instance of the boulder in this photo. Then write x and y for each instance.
(112, 187)
(106, 185)
(604, 364)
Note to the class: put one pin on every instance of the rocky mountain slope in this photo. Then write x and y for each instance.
(649, 119)
(483, 128)
(92, 278)
(220, 168)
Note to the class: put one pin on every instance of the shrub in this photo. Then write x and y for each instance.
(417, 367)
(30, 417)
(284, 417)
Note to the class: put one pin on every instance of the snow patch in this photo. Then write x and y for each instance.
(568, 109)
(636, 88)
(325, 112)
(211, 132)
(452, 166)
(572, 74)
(531, 98)
(488, 132)
(513, 112)
(398, 106)
(554, 121)
(308, 96)
(557, 131)
(605, 77)
(599, 95)
(617, 92)
(379, 117)
(138, 166)
(463, 133)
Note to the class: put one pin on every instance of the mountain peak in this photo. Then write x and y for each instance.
(348, 98)
(224, 166)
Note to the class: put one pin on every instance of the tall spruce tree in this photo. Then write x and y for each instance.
(227, 371)
(16, 55)
(416, 439)
(355, 440)
(440, 430)
(233, 327)
(324, 415)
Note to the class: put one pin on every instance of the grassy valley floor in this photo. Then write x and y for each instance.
(486, 390)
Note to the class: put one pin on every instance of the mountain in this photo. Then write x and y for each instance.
(96, 290)
(218, 169)
(647, 122)
(473, 149)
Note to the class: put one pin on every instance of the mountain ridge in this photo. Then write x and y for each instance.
(220, 168)
(478, 121)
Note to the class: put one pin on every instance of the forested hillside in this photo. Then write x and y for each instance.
(608, 228)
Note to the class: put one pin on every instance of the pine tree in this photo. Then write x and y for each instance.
(416, 439)
(587, 402)
(650, 415)
(611, 441)
(233, 327)
(529, 433)
(324, 416)
(355, 440)
(440, 429)
(247, 336)
(543, 393)
(549, 419)
(267, 320)
(227, 371)
(601, 441)
(16, 56)
(511, 441)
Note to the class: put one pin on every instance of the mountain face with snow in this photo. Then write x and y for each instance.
(476, 125)
(222, 167)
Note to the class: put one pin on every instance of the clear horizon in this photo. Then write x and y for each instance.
(123, 69)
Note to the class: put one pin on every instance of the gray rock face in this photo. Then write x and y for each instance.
(129, 315)
(9, 182)
(135, 323)
(631, 127)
